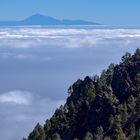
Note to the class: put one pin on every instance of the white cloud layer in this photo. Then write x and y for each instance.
(16, 97)
(70, 38)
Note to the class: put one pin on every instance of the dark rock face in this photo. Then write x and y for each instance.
(123, 81)
(99, 108)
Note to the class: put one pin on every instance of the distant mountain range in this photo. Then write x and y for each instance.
(39, 19)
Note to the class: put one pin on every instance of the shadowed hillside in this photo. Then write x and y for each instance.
(99, 108)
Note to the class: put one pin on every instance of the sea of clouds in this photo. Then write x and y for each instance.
(37, 65)
(70, 38)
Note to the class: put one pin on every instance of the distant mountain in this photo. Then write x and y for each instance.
(39, 19)
(99, 108)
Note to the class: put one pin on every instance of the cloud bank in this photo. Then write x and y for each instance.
(70, 38)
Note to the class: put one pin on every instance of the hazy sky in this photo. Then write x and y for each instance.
(102, 11)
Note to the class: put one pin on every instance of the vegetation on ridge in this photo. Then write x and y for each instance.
(99, 108)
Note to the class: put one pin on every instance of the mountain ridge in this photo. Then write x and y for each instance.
(38, 19)
(105, 107)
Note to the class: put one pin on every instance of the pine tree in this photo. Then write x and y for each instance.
(37, 134)
(137, 135)
(88, 136)
(99, 133)
(56, 136)
(137, 55)
(47, 126)
(118, 132)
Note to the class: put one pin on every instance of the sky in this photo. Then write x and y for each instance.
(111, 12)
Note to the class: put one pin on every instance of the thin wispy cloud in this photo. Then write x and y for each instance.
(16, 97)
(23, 56)
(7, 55)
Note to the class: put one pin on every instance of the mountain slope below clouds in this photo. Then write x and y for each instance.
(39, 19)
(99, 108)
